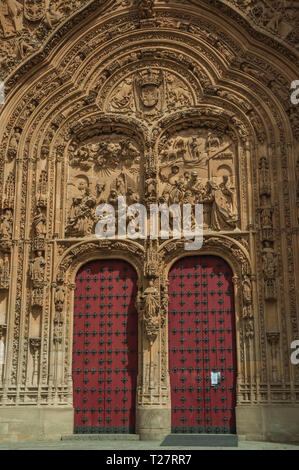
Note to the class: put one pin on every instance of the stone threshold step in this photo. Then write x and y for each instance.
(100, 437)
(201, 440)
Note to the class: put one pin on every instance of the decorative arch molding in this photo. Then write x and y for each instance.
(232, 250)
(208, 115)
(79, 254)
(50, 35)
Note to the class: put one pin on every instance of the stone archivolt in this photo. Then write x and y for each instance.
(160, 108)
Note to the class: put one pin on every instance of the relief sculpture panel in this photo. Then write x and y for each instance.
(101, 168)
(198, 166)
(149, 94)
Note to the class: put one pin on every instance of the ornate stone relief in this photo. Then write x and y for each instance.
(279, 17)
(247, 307)
(92, 161)
(199, 166)
(37, 275)
(59, 300)
(6, 224)
(150, 93)
(148, 305)
(269, 255)
(25, 25)
(4, 270)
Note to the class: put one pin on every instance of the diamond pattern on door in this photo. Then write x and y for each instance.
(105, 348)
(202, 341)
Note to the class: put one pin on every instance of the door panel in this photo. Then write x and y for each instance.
(105, 348)
(202, 341)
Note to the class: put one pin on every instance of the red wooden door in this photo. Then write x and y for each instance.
(105, 348)
(201, 342)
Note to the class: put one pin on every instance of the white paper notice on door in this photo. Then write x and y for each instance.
(2, 353)
(215, 378)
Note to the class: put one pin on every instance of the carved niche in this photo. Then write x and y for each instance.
(101, 168)
(198, 166)
(37, 274)
(4, 270)
(6, 216)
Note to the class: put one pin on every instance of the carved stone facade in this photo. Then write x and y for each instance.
(159, 102)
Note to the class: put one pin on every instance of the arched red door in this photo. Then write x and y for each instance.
(105, 348)
(202, 351)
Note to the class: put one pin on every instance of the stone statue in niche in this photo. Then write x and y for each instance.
(269, 259)
(247, 307)
(14, 143)
(37, 267)
(264, 179)
(224, 215)
(9, 194)
(59, 298)
(266, 216)
(42, 190)
(151, 186)
(6, 224)
(58, 328)
(149, 304)
(4, 270)
(39, 223)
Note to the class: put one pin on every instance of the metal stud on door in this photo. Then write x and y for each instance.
(105, 348)
(202, 353)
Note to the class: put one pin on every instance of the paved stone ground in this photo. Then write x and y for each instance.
(137, 445)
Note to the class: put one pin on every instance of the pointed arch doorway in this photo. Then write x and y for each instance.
(105, 348)
(202, 350)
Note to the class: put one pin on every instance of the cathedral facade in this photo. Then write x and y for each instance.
(159, 102)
